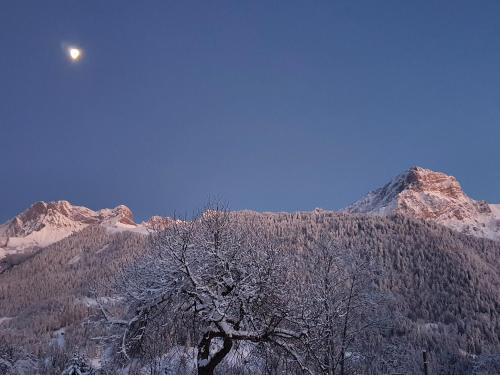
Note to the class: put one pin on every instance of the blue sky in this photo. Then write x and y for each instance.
(270, 105)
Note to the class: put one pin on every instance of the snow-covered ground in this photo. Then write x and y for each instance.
(58, 338)
(93, 302)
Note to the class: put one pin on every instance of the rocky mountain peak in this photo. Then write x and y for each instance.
(420, 180)
(47, 222)
(425, 194)
(120, 214)
(158, 223)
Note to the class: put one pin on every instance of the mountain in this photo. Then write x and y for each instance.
(424, 194)
(443, 287)
(45, 223)
(418, 193)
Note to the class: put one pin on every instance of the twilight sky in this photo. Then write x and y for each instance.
(270, 105)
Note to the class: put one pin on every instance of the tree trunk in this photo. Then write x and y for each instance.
(344, 333)
(206, 363)
(205, 371)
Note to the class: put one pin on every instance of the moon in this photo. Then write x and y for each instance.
(74, 53)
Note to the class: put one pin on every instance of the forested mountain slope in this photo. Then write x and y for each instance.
(51, 290)
(443, 287)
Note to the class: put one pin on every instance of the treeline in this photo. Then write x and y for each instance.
(443, 288)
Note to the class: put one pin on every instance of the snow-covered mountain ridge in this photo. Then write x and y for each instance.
(45, 223)
(417, 192)
(424, 194)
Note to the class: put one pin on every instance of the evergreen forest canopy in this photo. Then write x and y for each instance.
(272, 298)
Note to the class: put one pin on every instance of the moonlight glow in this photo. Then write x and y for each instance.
(74, 53)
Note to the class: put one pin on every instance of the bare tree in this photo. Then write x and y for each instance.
(219, 281)
(224, 280)
(14, 360)
(337, 305)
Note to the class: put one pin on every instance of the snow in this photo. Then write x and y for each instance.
(46, 223)
(92, 302)
(102, 249)
(75, 259)
(44, 237)
(120, 227)
(183, 359)
(495, 209)
(5, 319)
(435, 196)
(95, 362)
(59, 338)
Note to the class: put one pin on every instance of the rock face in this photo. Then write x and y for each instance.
(47, 222)
(417, 192)
(425, 194)
(158, 223)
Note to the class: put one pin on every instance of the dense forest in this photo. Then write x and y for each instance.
(432, 289)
